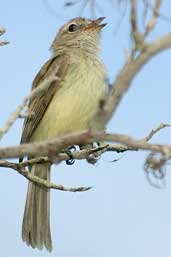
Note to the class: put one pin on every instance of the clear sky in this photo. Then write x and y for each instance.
(122, 215)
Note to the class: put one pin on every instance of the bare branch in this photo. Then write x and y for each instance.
(154, 131)
(52, 148)
(152, 22)
(46, 148)
(2, 31)
(39, 181)
(3, 42)
(122, 83)
(133, 19)
(149, 5)
(84, 154)
(78, 155)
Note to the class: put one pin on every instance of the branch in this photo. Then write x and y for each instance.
(152, 22)
(82, 154)
(122, 83)
(136, 35)
(154, 131)
(3, 42)
(53, 147)
(108, 106)
(78, 155)
(85, 153)
(41, 182)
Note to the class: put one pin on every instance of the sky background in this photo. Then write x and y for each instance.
(122, 215)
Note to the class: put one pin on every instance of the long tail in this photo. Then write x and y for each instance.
(36, 221)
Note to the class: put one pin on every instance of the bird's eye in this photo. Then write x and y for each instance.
(72, 27)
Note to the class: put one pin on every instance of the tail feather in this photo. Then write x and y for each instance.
(36, 221)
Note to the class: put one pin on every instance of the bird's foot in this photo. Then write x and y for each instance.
(69, 151)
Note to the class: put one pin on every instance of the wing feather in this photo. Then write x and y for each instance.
(38, 106)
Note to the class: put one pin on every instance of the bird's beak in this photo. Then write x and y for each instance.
(96, 24)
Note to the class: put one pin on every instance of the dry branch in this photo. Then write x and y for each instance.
(41, 182)
(152, 22)
(82, 154)
(3, 42)
(154, 131)
(122, 83)
(52, 148)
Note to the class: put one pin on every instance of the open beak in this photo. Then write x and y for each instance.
(96, 24)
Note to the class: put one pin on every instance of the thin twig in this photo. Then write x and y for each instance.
(135, 33)
(2, 31)
(34, 93)
(158, 13)
(154, 131)
(152, 22)
(3, 42)
(39, 181)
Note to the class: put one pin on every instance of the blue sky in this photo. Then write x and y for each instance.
(122, 215)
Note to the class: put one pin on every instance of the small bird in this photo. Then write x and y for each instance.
(67, 106)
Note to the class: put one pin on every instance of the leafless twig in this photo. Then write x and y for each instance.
(53, 147)
(154, 131)
(17, 113)
(152, 22)
(41, 182)
(3, 42)
(150, 6)
(137, 37)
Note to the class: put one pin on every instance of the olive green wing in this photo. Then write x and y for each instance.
(37, 107)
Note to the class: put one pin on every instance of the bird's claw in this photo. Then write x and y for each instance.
(68, 151)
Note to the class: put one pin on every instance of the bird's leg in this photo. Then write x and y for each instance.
(68, 151)
(93, 157)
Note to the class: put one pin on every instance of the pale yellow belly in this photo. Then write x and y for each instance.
(72, 107)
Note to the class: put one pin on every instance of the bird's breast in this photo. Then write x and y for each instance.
(74, 103)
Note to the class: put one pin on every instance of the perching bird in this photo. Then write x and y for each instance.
(66, 106)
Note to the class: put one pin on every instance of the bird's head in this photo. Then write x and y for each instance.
(79, 33)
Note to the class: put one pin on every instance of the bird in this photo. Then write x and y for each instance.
(67, 106)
